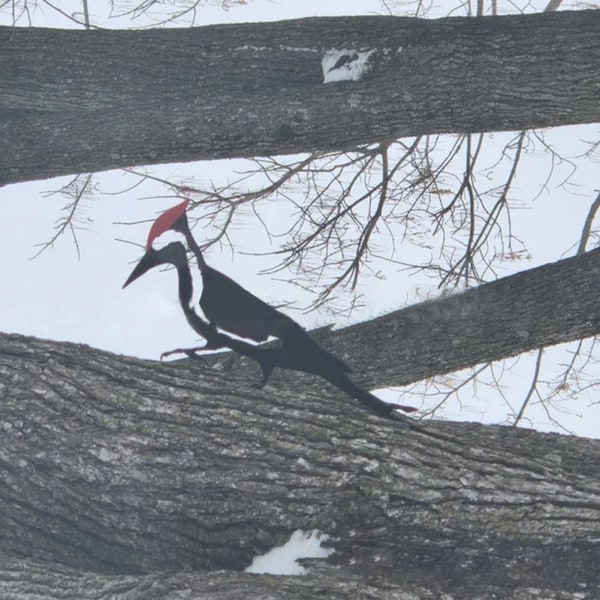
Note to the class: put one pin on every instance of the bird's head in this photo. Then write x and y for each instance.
(174, 218)
(174, 254)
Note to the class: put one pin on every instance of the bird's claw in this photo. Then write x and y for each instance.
(189, 352)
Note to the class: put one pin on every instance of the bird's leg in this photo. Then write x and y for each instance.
(267, 369)
(212, 343)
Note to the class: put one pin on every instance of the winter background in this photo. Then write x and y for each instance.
(72, 290)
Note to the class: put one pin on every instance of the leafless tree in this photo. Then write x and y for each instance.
(450, 199)
(114, 470)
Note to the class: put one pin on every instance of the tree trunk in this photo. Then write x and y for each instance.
(73, 101)
(119, 476)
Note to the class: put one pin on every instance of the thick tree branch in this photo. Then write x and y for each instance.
(75, 101)
(539, 307)
(119, 466)
(27, 579)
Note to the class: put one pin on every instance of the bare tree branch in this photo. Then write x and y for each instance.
(75, 190)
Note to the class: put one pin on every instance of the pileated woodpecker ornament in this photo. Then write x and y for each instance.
(231, 308)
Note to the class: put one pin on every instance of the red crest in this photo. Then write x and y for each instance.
(165, 221)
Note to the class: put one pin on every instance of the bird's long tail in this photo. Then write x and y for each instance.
(387, 409)
(302, 352)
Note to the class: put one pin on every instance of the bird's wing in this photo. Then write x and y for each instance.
(236, 310)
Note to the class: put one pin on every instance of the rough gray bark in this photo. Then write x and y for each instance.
(73, 101)
(123, 475)
(31, 580)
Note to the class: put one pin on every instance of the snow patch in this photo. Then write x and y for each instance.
(282, 559)
(345, 65)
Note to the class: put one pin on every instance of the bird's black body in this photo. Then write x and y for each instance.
(234, 309)
(228, 305)
(298, 351)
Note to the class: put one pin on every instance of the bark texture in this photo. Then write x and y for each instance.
(73, 101)
(26, 579)
(124, 478)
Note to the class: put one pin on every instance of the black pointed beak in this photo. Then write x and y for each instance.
(149, 260)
